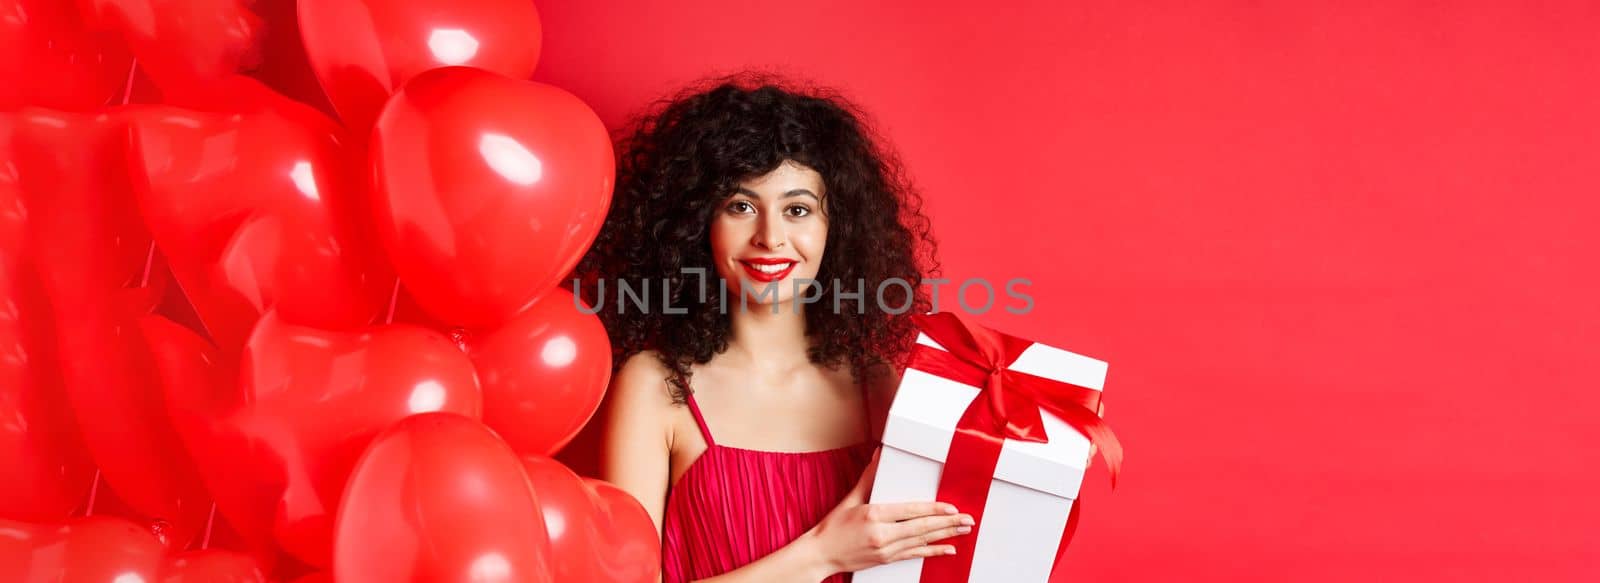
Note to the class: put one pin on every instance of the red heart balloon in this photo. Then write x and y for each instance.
(45, 471)
(597, 531)
(438, 497)
(289, 234)
(364, 50)
(312, 399)
(49, 58)
(543, 373)
(276, 447)
(489, 190)
(99, 549)
(181, 43)
(89, 247)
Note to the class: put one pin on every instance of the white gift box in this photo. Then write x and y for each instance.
(1034, 484)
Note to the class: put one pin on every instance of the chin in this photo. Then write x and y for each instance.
(785, 293)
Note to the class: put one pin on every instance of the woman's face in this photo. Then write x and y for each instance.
(771, 232)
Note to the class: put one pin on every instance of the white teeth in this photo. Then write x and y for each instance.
(774, 268)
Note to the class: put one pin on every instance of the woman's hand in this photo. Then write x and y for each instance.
(856, 535)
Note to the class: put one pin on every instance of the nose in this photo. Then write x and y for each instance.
(770, 235)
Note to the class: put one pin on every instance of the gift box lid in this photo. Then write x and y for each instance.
(927, 407)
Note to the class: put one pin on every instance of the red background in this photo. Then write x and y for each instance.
(1339, 256)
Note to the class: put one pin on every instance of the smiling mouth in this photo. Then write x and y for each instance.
(767, 272)
(770, 267)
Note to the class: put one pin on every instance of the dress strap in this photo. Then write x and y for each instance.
(700, 420)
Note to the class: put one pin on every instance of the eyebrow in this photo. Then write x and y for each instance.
(795, 192)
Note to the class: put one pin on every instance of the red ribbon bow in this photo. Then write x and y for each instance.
(1007, 408)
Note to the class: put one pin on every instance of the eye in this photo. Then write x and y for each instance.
(803, 210)
(740, 207)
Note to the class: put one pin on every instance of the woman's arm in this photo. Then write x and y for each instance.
(636, 437)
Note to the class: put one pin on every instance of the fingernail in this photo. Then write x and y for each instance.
(948, 509)
(963, 529)
(949, 551)
(967, 520)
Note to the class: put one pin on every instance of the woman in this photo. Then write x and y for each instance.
(747, 406)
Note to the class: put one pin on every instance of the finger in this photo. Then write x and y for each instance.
(895, 512)
(926, 539)
(923, 552)
(918, 529)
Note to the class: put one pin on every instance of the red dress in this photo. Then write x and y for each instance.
(734, 506)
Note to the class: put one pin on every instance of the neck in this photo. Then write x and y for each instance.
(769, 341)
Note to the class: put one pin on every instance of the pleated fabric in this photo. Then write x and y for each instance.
(734, 506)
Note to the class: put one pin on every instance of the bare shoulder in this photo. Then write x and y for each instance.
(641, 397)
(643, 381)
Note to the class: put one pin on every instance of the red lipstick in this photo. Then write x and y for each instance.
(750, 267)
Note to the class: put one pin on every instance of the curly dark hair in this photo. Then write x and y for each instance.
(686, 154)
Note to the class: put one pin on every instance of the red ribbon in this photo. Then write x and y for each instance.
(1007, 408)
